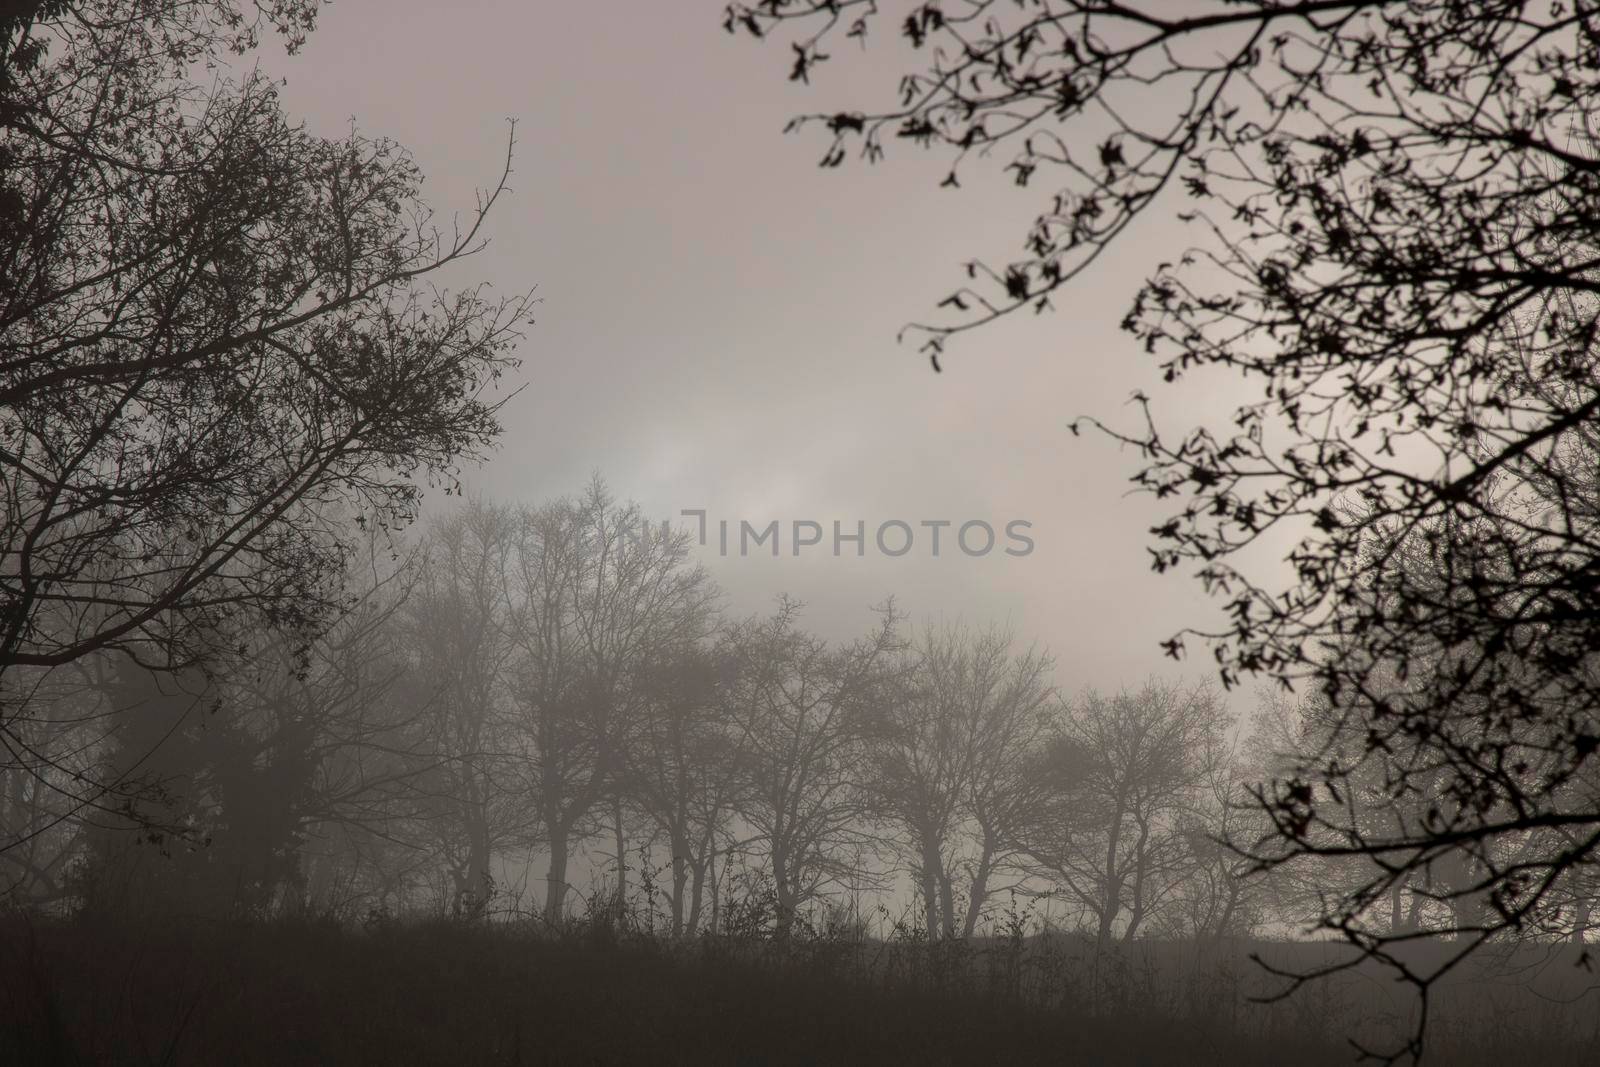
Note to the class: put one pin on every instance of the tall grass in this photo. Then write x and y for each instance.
(602, 990)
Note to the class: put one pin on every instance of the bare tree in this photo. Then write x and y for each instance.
(1223, 892)
(461, 641)
(216, 331)
(598, 596)
(683, 771)
(1123, 778)
(802, 713)
(223, 787)
(214, 324)
(947, 762)
(369, 752)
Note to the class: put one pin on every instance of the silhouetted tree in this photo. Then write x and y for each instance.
(683, 770)
(461, 634)
(369, 749)
(1396, 204)
(1222, 893)
(598, 596)
(214, 825)
(52, 774)
(802, 713)
(213, 324)
(246, 768)
(1123, 781)
(948, 760)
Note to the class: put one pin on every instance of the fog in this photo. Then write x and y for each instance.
(511, 551)
(719, 317)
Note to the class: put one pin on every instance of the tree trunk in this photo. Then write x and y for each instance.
(716, 891)
(622, 860)
(1470, 906)
(1135, 919)
(980, 892)
(947, 903)
(320, 873)
(703, 864)
(1107, 919)
(1141, 872)
(1414, 913)
(680, 882)
(478, 878)
(696, 897)
(1580, 921)
(1111, 899)
(555, 899)
(932, 862)
(1231, 907)
(786, 902)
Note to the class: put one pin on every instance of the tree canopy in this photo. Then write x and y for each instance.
(215, 328)
(227, 361)
(1393, 207)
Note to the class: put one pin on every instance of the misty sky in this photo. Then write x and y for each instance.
(719, 315)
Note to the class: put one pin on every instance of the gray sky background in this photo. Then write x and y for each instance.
(719, 315)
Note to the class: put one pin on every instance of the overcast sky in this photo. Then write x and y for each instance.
(719, 316)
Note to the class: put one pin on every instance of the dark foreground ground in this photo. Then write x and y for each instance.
(308, 993)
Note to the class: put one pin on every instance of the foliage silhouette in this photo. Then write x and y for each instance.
(1396, 207)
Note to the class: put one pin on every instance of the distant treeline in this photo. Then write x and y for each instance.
(543, 680)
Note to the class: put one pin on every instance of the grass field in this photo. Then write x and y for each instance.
(437, 993)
